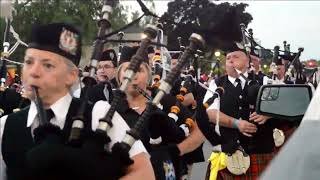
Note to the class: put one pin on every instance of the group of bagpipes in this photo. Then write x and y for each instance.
(84, 155)
(296, 72)
(11, 91)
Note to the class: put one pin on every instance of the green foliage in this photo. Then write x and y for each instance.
(184, 17)
(217, 23)
(2, 27)
(84, 14)
(146, 19)
(135, 15)
(119, 17)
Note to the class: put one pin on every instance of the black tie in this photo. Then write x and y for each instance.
(106, 92)
(239, 87)
(50, 114)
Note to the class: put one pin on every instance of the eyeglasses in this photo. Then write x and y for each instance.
(105, 66)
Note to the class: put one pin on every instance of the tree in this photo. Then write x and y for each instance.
(219, 24)
(146, 19)
(204, 17)
(81, 13)
(135, 15)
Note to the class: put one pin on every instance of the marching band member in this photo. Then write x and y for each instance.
(106, 71)
(134, 105)
(249, 134)
(50, 65)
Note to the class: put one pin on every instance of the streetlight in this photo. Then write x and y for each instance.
(217, 53)
(143, 36)
(265, 66)
(217, 64)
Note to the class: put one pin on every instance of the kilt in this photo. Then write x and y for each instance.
(258, 162)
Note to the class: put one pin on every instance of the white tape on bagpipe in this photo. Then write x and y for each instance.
(13, 62)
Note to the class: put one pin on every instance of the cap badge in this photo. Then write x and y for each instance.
(69, 41)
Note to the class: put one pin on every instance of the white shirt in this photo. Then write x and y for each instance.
(278, 81)
(213, 87)
(60, 110)
(118, 131)
(75, 90)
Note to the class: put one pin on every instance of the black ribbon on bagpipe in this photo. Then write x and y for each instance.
(202, 118)
(104, 27)
(246, 48)
(275, 60)
(295, 64)
(86, 158)
(4, 55)
(82, 158)
(133, 134)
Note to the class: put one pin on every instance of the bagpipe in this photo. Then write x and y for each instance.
(196, 42)
(156, 69)
(294, 69)
(5, 53)
(13, 99)
(120, 37)
(296, 65)
(253, 81)
(188, 79)
(209, 130)
(273, 66)
(248, 47)
(83, 152)
(120, 150)
(160, 60)
(10, 87)
(174, 106)
(6, 12)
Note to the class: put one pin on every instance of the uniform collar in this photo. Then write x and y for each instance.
(60, 109)
(243, 81)
(281, 80)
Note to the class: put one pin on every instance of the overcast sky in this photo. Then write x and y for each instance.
(297, 22)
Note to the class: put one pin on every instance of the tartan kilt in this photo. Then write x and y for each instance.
(258, 163)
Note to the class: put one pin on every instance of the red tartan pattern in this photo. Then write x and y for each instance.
(258, 162)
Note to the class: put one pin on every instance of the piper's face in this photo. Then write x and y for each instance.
(255, 62)
(140, 79)
(174, 63)
(105, 71)
(238, 60)
(49, 72)
(281, 70)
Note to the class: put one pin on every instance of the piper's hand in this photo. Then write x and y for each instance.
(246, 128)
(257, 118)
